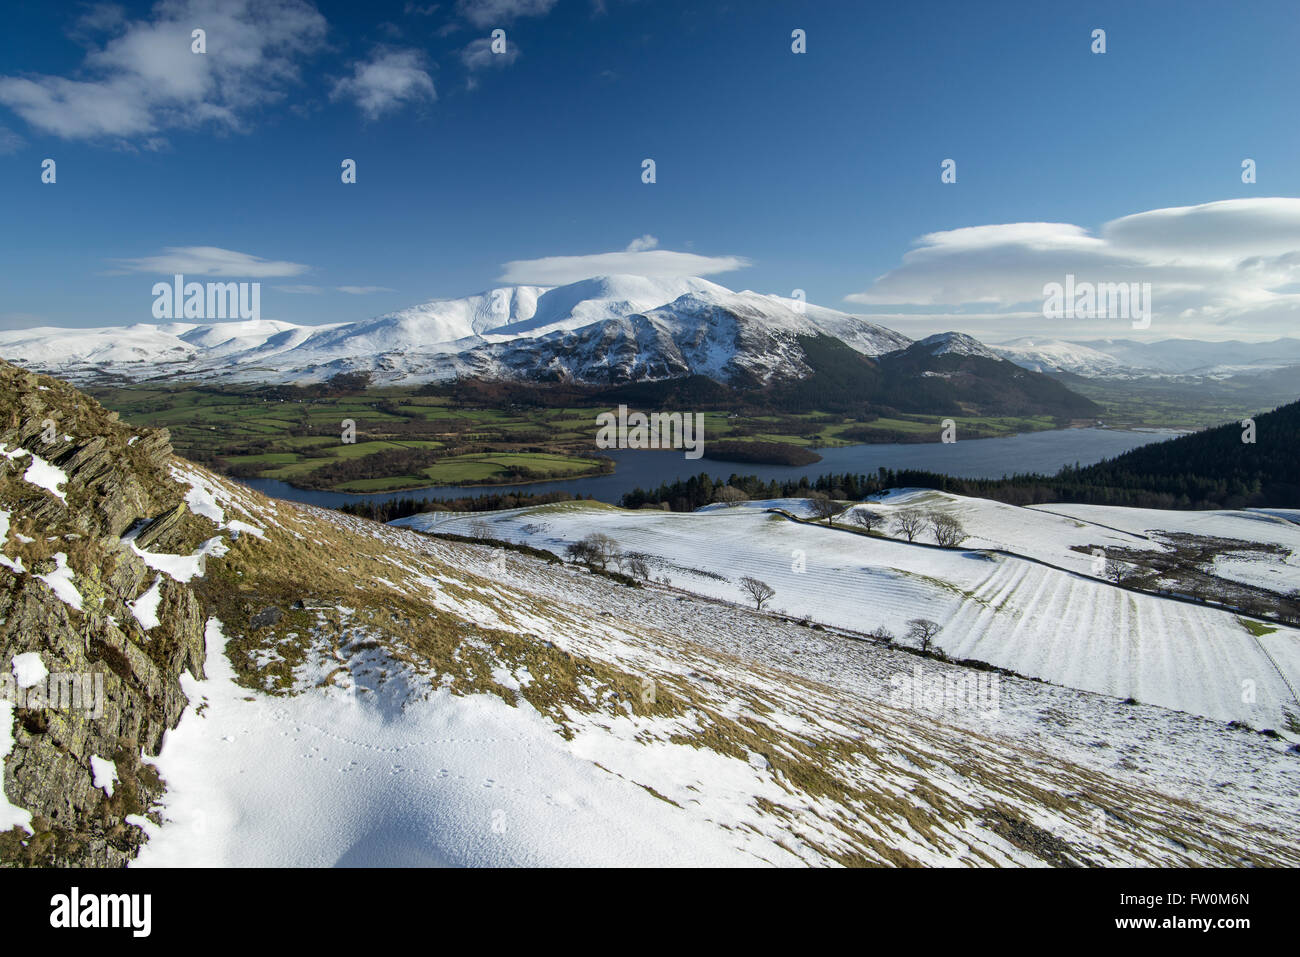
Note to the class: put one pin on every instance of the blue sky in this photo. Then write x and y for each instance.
(820, 170)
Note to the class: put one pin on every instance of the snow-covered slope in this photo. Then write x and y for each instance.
(641, 726)
(1125, 358)
(608, 328)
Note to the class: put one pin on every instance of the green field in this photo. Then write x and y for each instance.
(406, 438)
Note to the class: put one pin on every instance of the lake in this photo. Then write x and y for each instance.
(1044, 452)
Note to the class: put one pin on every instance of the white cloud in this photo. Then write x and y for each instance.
(308, 290)
(212, 261)
(143, 78)
(478, 54)
(641, 258)
(1219, 267)
(495, 13)
(387, 81)
(10, 142)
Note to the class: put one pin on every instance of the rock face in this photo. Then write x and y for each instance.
(113, 687)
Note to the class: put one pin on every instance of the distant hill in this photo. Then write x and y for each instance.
(947, 374)
(1210, 468)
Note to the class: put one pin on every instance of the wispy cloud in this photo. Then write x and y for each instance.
(10, 142)
(1212, 267)
(140, 77)
(308, 290)
(389, 80)
(640, 258)
(478, 54)
(496, 13)
(211, 261)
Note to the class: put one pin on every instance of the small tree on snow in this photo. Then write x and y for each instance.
(759, 591)
(867, 519)
(823, 506)
(922, 631)
(909, 522)
(730, 496)
(595, 549)
(1119, 572)
(634, 564)
(948, 531)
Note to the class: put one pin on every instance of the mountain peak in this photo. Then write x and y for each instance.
(954, 343)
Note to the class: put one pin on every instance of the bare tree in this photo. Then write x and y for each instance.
(480, 530)
(922, 631)
(1119, 572)
(948, 531)
(867, 518)
(909, 522)
(730, 496)
(595, 549)
(759, 591)
(634, 564)
(881, 634)
(823, 506)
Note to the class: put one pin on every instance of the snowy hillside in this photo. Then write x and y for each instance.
(653, 767)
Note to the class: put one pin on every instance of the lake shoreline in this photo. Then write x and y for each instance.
(1043, 452)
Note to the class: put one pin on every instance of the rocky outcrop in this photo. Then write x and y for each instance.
(113, 687)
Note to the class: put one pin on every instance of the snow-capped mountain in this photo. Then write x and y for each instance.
(600, 330)
(954, 343)
(1126, 358)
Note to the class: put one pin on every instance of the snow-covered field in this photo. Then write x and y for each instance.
(1014, 612)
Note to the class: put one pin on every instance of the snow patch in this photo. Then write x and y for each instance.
(29, 669)
(104, 773)
(145, 608)
(40, 473)
(60, 581)
(10, 815)
(183, 568)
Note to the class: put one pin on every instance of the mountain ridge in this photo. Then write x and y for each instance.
(499, 332)
(604, 332)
